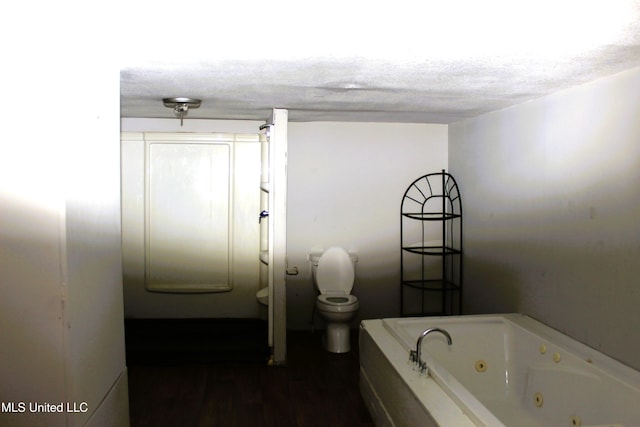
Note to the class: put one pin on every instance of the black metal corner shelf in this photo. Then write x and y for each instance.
(431, 250)
(431, 216)
(435, 285)
(431, 247)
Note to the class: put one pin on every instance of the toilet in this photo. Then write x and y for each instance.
(333, 273)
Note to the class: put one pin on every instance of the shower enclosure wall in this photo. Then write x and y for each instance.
(191, 236)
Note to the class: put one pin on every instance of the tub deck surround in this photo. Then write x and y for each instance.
(502, 370)
(393, 390)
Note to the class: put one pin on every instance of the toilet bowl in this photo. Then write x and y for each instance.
(333, 276)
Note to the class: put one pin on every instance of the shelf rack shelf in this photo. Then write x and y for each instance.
(431, 247)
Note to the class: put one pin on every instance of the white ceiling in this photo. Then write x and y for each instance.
(398, 62)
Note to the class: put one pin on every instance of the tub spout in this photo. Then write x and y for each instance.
(416, 356)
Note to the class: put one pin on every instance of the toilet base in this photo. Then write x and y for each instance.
(336, 338)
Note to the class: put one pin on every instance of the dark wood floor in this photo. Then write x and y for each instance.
(315, 388)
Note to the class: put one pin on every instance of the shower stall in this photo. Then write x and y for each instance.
(189, 227)
(203, 227)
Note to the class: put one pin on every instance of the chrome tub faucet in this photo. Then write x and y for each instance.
(415, 356)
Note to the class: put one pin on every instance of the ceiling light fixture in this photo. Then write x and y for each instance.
(181, 105)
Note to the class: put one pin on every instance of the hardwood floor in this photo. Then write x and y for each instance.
(315, 388)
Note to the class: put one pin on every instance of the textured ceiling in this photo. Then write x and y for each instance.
(429, 64)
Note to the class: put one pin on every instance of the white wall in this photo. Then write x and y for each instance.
(345, 184)
(61, 319)
(94, 316)
(551, 197)
(32, 353)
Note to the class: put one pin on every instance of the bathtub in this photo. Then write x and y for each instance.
(501, 370)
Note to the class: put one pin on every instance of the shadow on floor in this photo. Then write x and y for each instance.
(194, 386)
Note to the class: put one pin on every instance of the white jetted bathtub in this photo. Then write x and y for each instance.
(501, 370)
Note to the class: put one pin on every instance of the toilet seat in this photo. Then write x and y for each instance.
(325, 306)
(337, 299)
